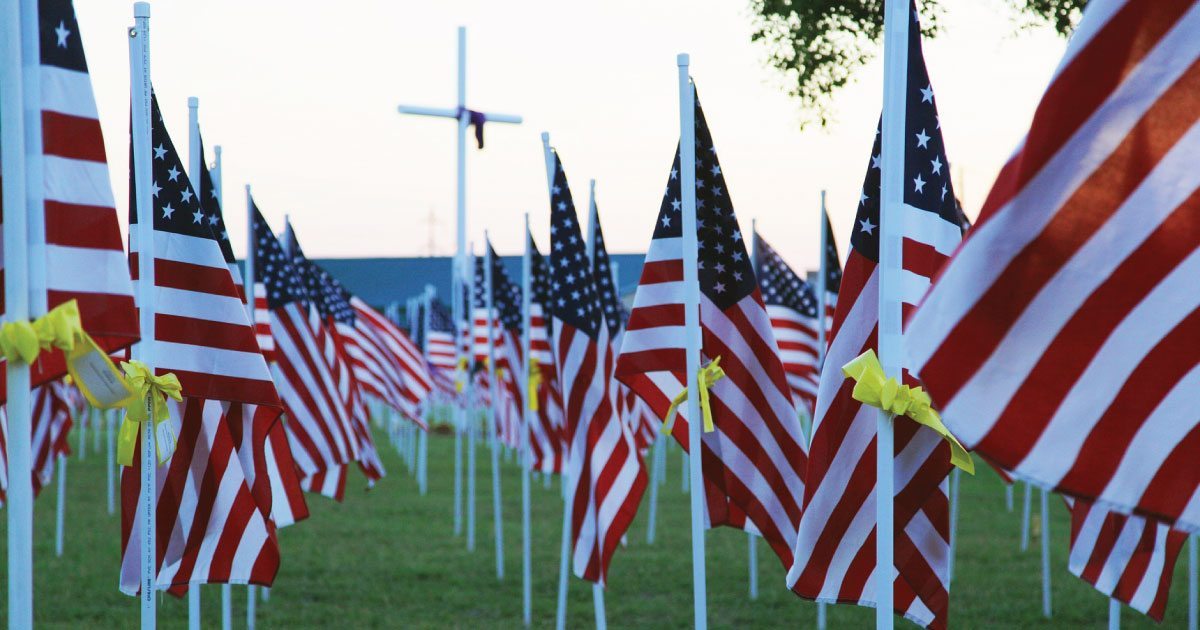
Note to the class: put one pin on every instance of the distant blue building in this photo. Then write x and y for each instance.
(381, 281)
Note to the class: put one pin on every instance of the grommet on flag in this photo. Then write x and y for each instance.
(872, 387)
(149, 403)
(708, 375)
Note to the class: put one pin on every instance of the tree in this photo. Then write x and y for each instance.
(818, 44)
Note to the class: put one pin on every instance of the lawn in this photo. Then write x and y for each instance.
(388, 557)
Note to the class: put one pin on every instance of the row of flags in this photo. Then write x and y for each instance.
(1071, 283)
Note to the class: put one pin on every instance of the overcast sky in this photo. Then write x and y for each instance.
(303, 95)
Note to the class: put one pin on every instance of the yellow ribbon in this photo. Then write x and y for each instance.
(534, 383)
(87, 365)
(148, 404)
(708, 375)
(24, 340)
(872, 387)
(460, 374)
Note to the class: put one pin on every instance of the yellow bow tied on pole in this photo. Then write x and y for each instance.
(534, 384)
(24, 340)
(148, 404)
(873, 387)
(708, 375)
(87, 365)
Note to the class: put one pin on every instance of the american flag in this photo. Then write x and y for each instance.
(605, 476)
(792, 304)
(1128, 558)
(833, 273)
(506, 305)
(546, 441)
(754, 459)
(82, 254)
(633, 412)
(287, 495)
(1060, 339)
(835, 551)
(320, 425)
(50, 417)
(337, 316)
(397, 355)
(439, 347)
(213, 521)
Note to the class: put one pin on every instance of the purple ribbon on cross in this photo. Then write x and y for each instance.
(476, 120)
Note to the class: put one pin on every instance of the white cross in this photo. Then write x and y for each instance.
(461, 113)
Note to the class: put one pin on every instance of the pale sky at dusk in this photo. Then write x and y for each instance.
(303, 95)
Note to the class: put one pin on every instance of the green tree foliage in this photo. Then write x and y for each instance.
(818, 44)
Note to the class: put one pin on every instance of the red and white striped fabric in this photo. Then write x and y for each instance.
(546, 441)
(1128, 558)
(605, 478)
(212, 519)
(439, 348)
(312, 378)
(1078, 278)
(330, 483)
(82, 255)
(386, 363)
(51, 423)
(835, 550)
(753, 460)
(287, 495)
(262, 322)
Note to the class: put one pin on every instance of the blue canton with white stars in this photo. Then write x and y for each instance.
(539, 278)
(327, 294)
(610, 297)
(208, 202)
(724, 266)
(273, 267)
(176, 206)
(506, 295)
(926, 171)
(440, 319)
(575, 300)
(833, 264)
(780, 285)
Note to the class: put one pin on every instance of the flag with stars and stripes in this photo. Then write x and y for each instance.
(546, 441)
(213, 520)
(605, 476)
(754, 458)
(792, 304)
(337, 315)
(319, 422)
(80, 252)
(833, 273)
(633, 412)
(835, 551)
(439, 347)
(1078, 279)
(506, 317)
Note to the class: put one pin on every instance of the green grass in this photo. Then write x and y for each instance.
(389, 558)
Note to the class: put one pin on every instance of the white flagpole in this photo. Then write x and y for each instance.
(526, 456)
(598, 605)
(94, 418)
(691, 319)
(560, 621)
(139, 53)
(751, 539)
(18, 200)
(1045, 552)
(597, 589)
(495, 401)
(822, 323)
(423, 467)
(891, 341)
(954, 481)
(61, 506)
(248, 281)
(250, 601)
(226, 608)
(655, 480)
(472, 415)
(83, 437)
(110, 465)
(1193, 584)
(195, 163)
(1025, 516)
(1008, 497)
(1114, 614)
